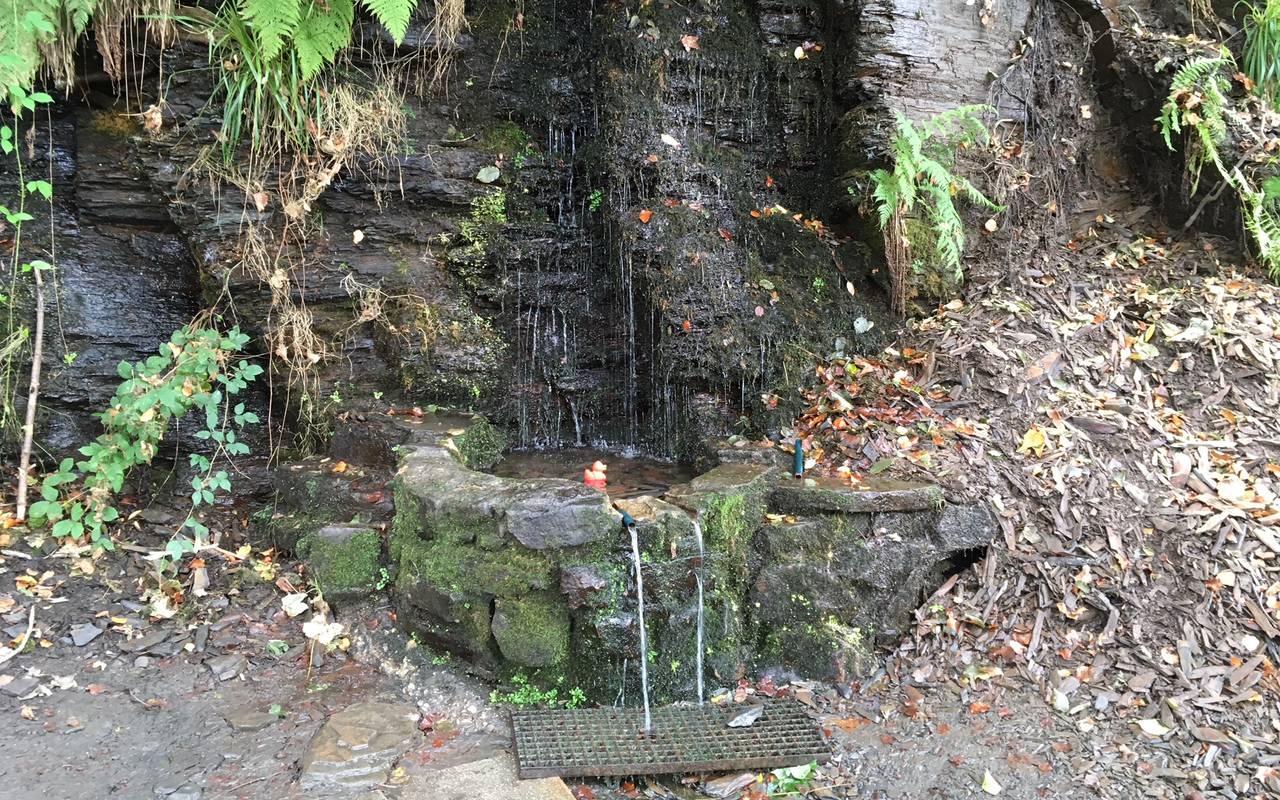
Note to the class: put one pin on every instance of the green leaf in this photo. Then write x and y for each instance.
(392, 14)
(272, 22)
(321, 33)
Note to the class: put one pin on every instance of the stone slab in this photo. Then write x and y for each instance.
(357, 746)
(830, 495)
(490, 779)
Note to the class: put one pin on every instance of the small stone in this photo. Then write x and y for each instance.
(728, 785)
(142, 661)
(581, 583)
(19, 686)
(187, 792)
(249, 719)
(224, 668)
(84, 633)
(143, 643)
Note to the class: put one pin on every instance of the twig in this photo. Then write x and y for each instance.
(29, 427)
(1226, 181)
(26, 637)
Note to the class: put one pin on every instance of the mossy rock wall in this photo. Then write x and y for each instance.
(537, 577)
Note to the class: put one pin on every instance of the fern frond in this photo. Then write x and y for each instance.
(963, 122)
(884, 190)
(273, 22)
(392, 15)
(321, 33)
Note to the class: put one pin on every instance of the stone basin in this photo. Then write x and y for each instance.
(525, 570)
(534, 575)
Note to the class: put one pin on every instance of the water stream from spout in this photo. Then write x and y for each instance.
(697, 532)
(644, 639)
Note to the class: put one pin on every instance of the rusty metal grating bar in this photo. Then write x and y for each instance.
(599, 742)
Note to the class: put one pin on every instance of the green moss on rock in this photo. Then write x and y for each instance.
(344, 560)
(481, 445)
(533, 630)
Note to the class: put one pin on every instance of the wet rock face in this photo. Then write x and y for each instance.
(618, 282)
(538, 576)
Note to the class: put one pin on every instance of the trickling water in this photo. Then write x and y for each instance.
(644, 638)
(577, 423)
(697, 532)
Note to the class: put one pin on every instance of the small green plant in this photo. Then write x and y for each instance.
(792, 780)
(191, 372)
(1197, 101)
(384, 578)
(819, 286)
(1262, 47)
(595, 200)
(923, 159)
(277, 647)
(525, 694)
(1196, 106)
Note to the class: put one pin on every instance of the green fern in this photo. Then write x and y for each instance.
(321, 34)
(923, 158)
(1197, 102)
(36, 34)
(1263, 224)
(276, 48)
(392, 15)
(273, 23)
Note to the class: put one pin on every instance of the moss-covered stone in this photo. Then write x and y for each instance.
(481, 445)
(532, 631)
(448, 614)
(453, 566)
(344, 560)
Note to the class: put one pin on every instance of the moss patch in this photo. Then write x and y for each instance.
(481, 445)
(532, 630)
(454, 567)
(344, 560)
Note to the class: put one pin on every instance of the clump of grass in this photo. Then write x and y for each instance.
(1262, 47)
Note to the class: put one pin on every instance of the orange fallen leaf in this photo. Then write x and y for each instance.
(687, 325)
(646, 215)
(726, 235)
(689, 41)
(340, 467)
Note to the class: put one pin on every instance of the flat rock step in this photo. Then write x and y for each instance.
(810, 495)
(489, 779)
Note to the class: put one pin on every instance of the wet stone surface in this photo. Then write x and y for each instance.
(358, 745)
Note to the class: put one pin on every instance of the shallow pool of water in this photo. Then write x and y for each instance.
(629, 476)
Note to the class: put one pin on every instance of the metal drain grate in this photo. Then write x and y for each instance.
(607, 741)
